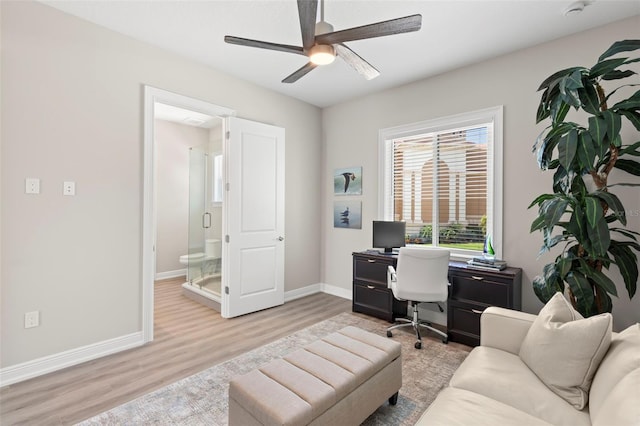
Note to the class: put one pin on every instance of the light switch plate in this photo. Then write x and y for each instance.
(32, 186)
(69, 188)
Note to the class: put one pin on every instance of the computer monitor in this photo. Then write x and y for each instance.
(388, 235)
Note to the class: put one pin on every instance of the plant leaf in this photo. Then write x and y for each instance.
(547, 284)
(626, 232)
(614, 204)
(620, 46)
(617, 74)
(567, 146)
(564, 265)
(593, 210)
(553, 210)
(538, 223)
(600, 279)
(629, 166)
(589, 98)
(556, 76)
(631, 103)
(598, 130)
(586, 151)
(630, 150)
(582, 291)
(578, 228)
(540, 198)
(614, 123)
(599, 237)
(603, 67)
(633, 117)
(627, 263)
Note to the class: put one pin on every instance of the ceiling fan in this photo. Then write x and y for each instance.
(321, 44)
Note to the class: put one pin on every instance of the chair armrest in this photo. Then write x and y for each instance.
(504, 329)
(391, 276)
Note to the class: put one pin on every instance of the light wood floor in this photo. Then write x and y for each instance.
(188, 338)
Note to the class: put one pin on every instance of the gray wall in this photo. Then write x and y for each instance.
(351, 138)
(173, 141)
(72, 109)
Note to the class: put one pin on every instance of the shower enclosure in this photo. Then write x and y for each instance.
(204, 268)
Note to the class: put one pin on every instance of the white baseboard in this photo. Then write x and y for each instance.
(171, 274)
(37, 367)
(338, 291)
(317, 288)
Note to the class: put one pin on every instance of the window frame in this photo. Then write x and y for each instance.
(443, 124)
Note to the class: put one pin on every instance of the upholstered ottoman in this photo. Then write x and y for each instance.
(338, 380)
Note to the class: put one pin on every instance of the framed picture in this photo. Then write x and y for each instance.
(347, 214)
(347, 181)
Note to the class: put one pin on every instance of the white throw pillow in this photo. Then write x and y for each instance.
(564, 349)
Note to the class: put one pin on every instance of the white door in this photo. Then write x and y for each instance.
(254, 212)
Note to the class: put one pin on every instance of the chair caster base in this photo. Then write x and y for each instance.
(389, 334)
(418, 345)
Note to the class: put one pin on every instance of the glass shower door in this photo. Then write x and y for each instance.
(199, 218)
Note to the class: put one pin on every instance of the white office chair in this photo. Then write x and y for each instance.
(420, 276)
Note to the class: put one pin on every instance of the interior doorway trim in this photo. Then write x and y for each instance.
(153, 95)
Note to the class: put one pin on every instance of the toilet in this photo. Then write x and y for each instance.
(212, 250)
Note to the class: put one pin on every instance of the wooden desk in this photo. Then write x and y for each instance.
(471, 292)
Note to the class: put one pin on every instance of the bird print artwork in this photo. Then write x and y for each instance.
(348, 181)
(348, 177)
(347, 214)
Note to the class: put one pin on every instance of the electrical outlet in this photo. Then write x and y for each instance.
(31, 319)
(69, 188)
(32, 186)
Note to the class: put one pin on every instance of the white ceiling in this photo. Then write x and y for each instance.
(454, 33)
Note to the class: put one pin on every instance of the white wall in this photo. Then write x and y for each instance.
(72, 109)
(173, 141)
(351, 137)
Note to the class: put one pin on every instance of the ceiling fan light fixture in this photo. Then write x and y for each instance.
(322, 54)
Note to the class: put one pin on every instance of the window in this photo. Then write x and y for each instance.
(217, 179)
(443, 178)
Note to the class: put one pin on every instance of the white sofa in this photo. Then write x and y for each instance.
(494, 386)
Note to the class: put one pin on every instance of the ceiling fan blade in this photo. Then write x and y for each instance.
(296, 75)
(379, 29)
(356, 62)
(307, 10)
(264, 45)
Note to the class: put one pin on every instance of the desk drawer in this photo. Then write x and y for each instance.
(480, 288)
(372, 270)
(373, 300)
(464, 322)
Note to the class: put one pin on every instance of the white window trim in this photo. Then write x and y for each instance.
(494, 114)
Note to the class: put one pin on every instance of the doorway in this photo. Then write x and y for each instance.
(252, 235)
(153, 98)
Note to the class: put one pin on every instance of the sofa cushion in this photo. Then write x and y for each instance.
(621, 407)
(622, 358)
(460, 407)
(504, 377)
(564, 349)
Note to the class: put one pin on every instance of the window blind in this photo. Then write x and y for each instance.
(441, 184)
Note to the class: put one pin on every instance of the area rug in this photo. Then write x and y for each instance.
(201, 399)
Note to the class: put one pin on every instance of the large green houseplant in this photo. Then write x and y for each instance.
(582, 205)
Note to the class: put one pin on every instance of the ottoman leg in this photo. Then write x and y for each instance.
(394, 399)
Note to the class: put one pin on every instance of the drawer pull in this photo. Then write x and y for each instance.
(370, 287)
(477, 278)
(371, 260)
(475, 311)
